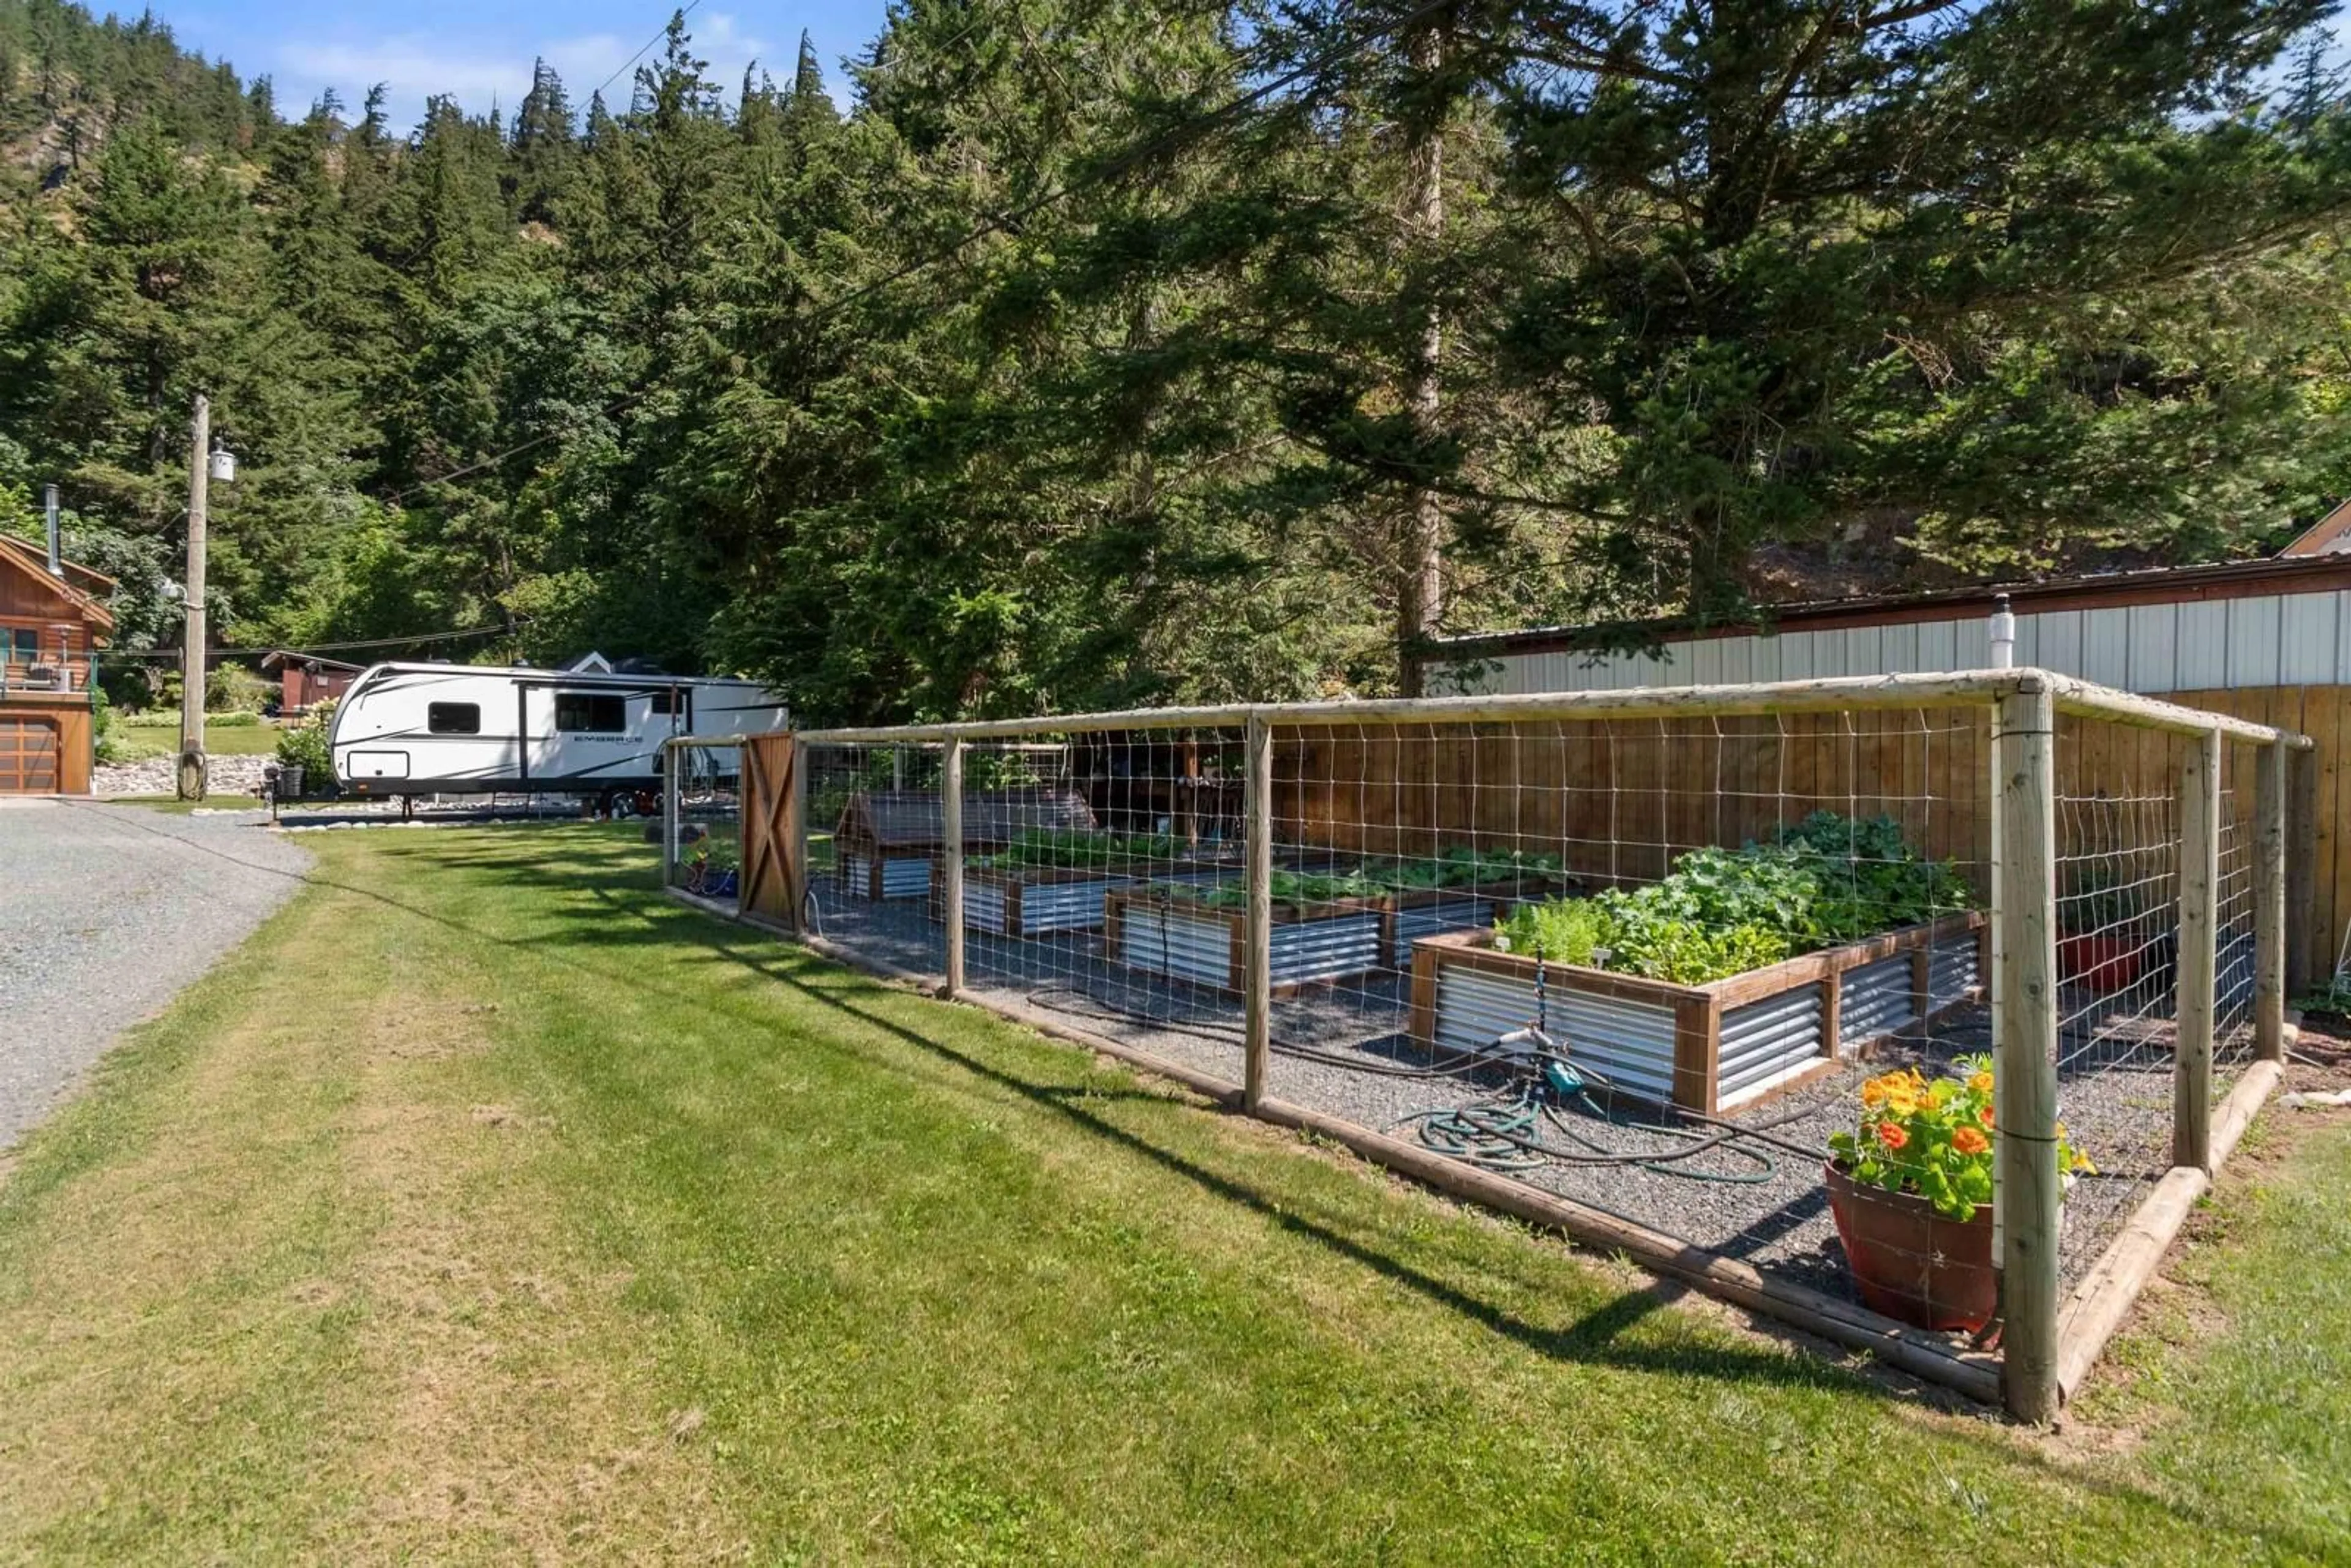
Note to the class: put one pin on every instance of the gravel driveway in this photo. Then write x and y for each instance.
(106, 911)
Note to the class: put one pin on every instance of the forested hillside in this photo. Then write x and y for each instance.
(1104, 352)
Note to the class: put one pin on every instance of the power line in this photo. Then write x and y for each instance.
(1199, 126)
(648, 44)
(453, 635)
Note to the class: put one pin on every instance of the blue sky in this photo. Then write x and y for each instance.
(481, 52)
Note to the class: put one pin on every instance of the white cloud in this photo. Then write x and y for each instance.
(414, 66)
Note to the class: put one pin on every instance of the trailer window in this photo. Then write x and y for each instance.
(669, 700)
(590, 711)
(453, 718)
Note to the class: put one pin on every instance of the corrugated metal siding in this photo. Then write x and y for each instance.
(1303, 951)
(1065, 905)
(1186, 946)
(1432, 919)
(983, 905)
(2267, 639)
(1331, 949)
(901, 877)
(1629, 1043)
(1953, 969)
(1874, 1000)
(1764, 1042)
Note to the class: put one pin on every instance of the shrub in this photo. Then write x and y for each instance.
(233, 688)
(112, 746)
(306, 747)
(239, 720)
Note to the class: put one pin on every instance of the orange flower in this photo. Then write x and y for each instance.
(1890, 1136)
(1984, 1115)
(1968, 1141)
(1981, 1083)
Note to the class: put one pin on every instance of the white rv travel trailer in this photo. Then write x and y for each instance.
(448, 730)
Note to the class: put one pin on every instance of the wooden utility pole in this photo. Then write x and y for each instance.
(192, 661)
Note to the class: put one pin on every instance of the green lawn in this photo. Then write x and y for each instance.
(487, 1206)
(142, 737)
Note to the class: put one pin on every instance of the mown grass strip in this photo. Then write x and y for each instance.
(512, 1210)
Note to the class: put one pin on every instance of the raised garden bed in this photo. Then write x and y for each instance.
(1158, 931)
(1035, 901)
(1434, 910)
(1705, 1048)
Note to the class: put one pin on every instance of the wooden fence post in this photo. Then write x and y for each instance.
(2200, 898)
(670, 805)
(2024, 988)
(951, 859)
(1257, 801)
(793, 835)
(2269, 903)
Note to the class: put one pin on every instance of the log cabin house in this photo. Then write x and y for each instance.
(52, 624)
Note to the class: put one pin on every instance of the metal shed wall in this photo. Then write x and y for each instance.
(2260, 640)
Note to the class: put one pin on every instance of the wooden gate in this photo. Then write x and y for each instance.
(28, 755)
(775, 873)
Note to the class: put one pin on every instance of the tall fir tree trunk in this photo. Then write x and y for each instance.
(1420, 591)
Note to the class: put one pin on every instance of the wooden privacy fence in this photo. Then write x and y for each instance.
(2020, 777)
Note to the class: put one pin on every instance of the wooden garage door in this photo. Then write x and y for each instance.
(28, 755)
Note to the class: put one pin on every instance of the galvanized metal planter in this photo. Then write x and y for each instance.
(1434, 911)
(1707, 1047)
(1312, 943)
(886, 876)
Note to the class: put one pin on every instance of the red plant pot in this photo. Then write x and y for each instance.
(2101, 963)
(1911, 1263)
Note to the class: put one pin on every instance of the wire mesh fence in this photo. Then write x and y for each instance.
(1722, 977)
(701, 828)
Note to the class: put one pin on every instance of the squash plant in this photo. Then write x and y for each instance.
(1827, 880)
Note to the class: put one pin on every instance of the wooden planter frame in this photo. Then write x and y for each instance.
(1237, 923)
(1698, 1011)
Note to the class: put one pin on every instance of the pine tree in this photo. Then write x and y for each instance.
(545, 150)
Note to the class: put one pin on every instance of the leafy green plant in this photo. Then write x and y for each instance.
(1933, 1139)
(1288, 888)
(1720, 912)
(1065, 847)
(1560, 930)
(2098, 900)
(1462, 866)
(306, 747)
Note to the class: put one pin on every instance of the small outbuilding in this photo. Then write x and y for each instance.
(306, 680)
(887, 839)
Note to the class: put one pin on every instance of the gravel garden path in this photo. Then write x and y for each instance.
(106, 911)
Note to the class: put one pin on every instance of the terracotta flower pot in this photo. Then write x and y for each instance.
(1911, 1263)
(2102, 962)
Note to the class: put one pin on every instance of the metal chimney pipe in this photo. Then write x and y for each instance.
(50, 503)
(2003, 634)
